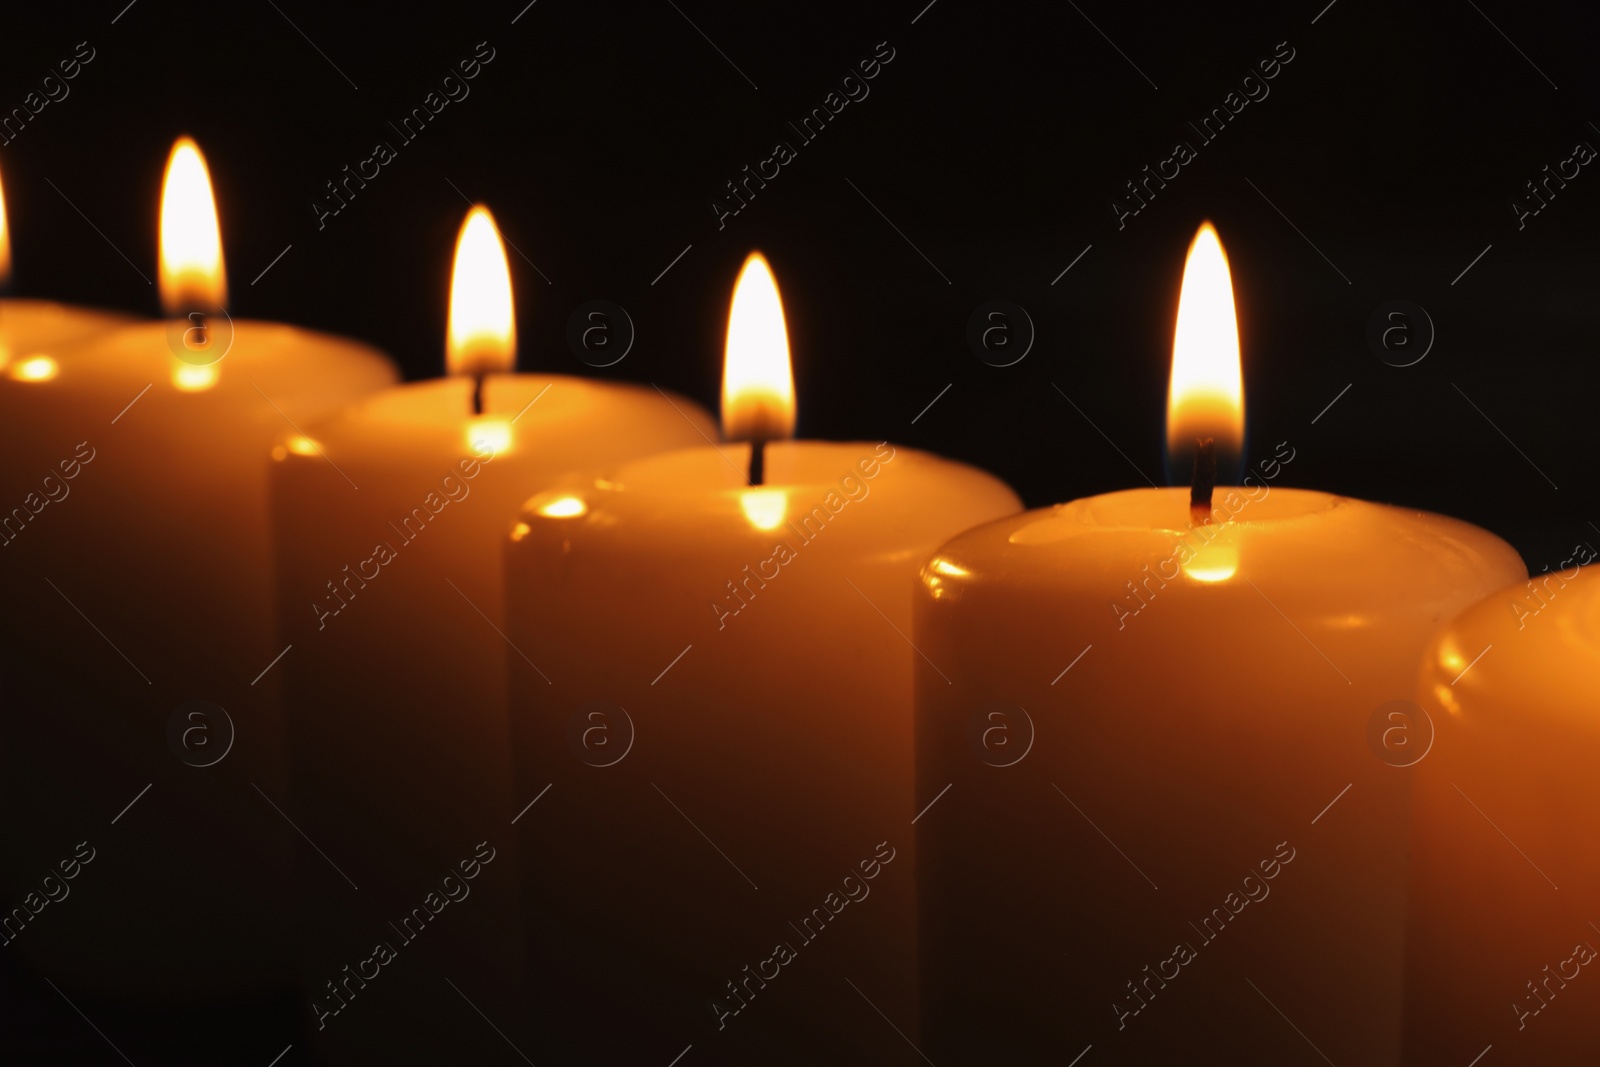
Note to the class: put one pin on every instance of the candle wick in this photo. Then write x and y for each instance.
(1204, 480)
(758, 461)
(477, 393)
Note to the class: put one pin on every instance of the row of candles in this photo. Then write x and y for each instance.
(1084, 732)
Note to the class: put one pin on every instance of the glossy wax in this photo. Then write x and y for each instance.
(1138, 722)
(390, 522)
(140, 559)
(1505, 878)
(724, 726)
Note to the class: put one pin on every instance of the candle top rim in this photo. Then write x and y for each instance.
(1553, 619)
(293, 367)
(1165, 510)
(718, 468)
(446, 401)
(698, 487)
(144, 336)
(47, 306)
(1295, 541)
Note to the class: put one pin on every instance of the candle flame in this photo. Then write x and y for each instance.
(5, 241)
(482, 337)
(1205, 397)
(757, 376)
(192, 271)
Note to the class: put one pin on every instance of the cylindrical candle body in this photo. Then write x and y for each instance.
(391, 596)
(723, 728)
(141, 562)
(1164, 825)
(43, 327)
(1505, 883)
(34, 334)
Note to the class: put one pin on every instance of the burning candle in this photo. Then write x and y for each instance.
(32, 330)
(390, 520)
(1161, 828)
(720, 714)
(1501, 928)
(144, 577)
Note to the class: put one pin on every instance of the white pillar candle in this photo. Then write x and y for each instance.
(390, 522)
(31, 332)
(145, 583)
(719, 733)
(1505, 878)
(1161, 824)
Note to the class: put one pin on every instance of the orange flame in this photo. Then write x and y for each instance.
(757, 376)
(5, 240)
(1205, 397)
(482, 336)
(192, 271)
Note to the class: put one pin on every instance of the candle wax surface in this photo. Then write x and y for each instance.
(392, 596)
(734, 657)
(1506, 878)
(1102, 671)
(31, 328)
(138, 549)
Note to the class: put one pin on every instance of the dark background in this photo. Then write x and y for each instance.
(995, 141)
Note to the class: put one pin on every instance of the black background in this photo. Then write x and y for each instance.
(1396, 141)
(996, 139)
